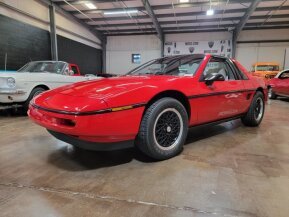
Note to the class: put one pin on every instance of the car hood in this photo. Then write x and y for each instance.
(103, 93)
(110, 87)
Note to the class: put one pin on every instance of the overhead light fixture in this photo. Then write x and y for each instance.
(210, 12)
(90, 5)
(184, 1)
(120, 12)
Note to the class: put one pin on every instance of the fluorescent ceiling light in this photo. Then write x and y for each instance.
(120, 12)
(90, 5)
(210, 12)
(184, 1)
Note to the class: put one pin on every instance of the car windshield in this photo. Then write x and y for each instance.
(51, 67)
(177, 65)
(267, 68)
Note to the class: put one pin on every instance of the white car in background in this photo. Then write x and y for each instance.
(18, 88)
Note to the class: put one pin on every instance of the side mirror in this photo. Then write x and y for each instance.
(210, 78)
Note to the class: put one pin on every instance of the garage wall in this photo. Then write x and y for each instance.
(205, 36)
(37, 14)
(25, 38)
(87, 58)
(249, 53)
(20, 43)
(121, 48)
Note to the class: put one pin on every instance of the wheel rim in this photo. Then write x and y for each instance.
(168, 129)
(259, 109)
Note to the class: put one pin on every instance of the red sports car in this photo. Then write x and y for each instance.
(279, 86)
(152, 106)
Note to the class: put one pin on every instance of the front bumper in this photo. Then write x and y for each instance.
(104, 128)
(11, 91)
(12, 97)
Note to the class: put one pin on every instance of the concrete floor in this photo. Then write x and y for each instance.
(224, 170)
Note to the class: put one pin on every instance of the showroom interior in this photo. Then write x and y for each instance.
(224, 167)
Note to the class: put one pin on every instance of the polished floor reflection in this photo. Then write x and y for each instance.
(224, 170)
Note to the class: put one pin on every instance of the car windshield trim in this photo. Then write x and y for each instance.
(171, 65)
(43, 67)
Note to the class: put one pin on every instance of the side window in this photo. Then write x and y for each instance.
(183, 66)
(219, 66)
(74, 69)
(285, 75)
(240, 70)
(188, 68)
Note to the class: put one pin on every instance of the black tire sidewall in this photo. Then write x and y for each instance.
(249, 118)
(158, 107)
(31, 96)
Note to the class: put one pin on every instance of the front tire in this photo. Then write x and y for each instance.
(163, 129)
(255, 113)
(36, 91)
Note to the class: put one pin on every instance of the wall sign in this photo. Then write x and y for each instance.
(136, 58)
(217, 47)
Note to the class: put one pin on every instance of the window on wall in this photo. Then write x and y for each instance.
(136, 58)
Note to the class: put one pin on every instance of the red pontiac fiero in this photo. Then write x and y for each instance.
(152, 106)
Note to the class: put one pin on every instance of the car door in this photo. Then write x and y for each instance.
(283, 83)
(221, 99)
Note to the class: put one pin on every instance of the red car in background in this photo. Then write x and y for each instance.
(152, 106)
(279, 86)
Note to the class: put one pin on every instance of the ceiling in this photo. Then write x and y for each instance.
(176, 17)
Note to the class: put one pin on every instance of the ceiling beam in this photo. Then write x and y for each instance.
(95, 32)
(160, 7)
(226, 26)
(258, 25)
(77, 2)
(154, 19)
(245, 18)
(231, 11)
(194, 31)
(262, 17)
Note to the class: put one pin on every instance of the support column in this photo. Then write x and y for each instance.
(163, 46)
(53, 37)
(234, 44)
(104, 42)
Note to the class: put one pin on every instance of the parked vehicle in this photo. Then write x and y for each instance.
(18, 88)
(266, 70)
(279, 86)
(152, 106)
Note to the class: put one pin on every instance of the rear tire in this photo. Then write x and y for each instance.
(163, 129)
(255, 113)
(271, 93)
(36, 91)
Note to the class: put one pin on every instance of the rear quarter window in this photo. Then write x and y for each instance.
(241, 70)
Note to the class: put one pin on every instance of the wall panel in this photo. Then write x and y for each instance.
(22, 43)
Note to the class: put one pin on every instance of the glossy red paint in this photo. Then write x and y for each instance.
(279, 85)
(111, 109)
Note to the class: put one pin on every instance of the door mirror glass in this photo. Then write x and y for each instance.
(212, 77)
